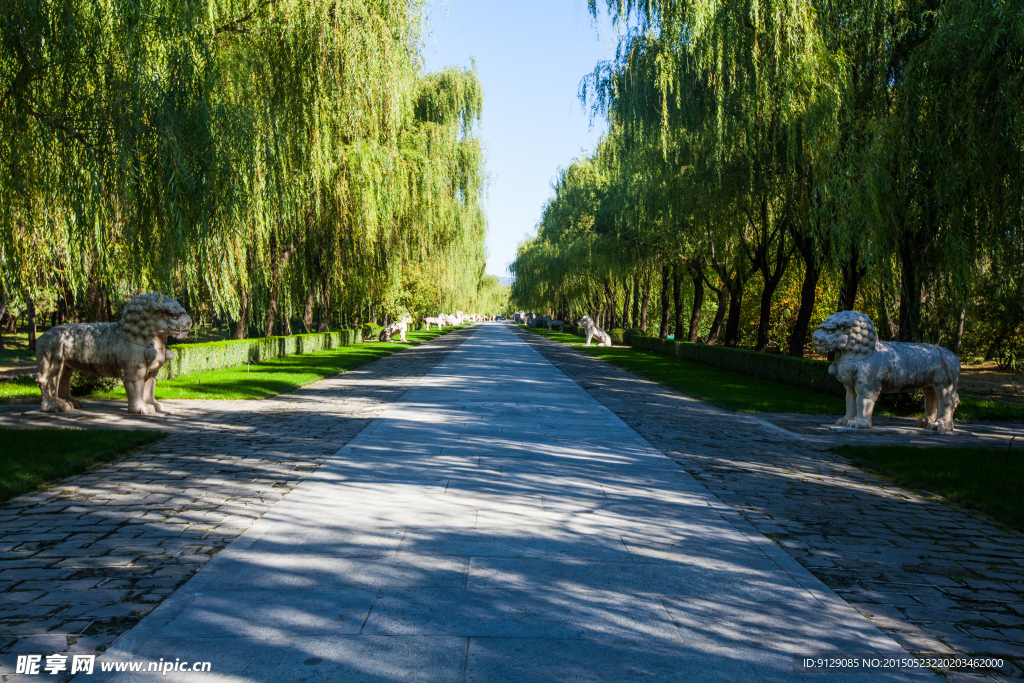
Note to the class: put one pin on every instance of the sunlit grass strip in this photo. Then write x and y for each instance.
(20, 389)
(30, 458)
(990, 480)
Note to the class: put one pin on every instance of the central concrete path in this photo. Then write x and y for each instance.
(495, 524)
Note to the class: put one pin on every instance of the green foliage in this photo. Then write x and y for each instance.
(31, 458)
(268, 160)
(797, 372)
(371, 331)
(982, 479)
(630, 333)
(83, 384)
(778, 160)
(618, 336)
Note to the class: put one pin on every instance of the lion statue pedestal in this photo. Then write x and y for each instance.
(868, 368)
(133, 349)
(594, 332)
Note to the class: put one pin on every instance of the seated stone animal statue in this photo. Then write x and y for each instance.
(594, 332)
(133, 349)
(556, 323)
(398, 327)
(434, 320)
(869, 367)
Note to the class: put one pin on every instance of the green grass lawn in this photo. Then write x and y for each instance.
(722, 388)
(20, 389)
(976, 478)
(30, 458)
(256, 381)
(743, 393)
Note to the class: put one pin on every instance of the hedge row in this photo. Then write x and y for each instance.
(799, 372)
(225, 354)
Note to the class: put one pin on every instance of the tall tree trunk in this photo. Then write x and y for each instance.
(852, 273)
(910, 294)
(275, 286)
(677, 297)
(613, 304)
(698, 302)
(771, 284)
(666, 303)
(626, 297)
(31, 324)
(3, 312)
(723, 307)
(645, 304)
(636, 299)
(959, 331)
(307, 314)
(240, 327)
(808, 293)
(732, 325)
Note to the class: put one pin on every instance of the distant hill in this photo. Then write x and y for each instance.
(507, 281)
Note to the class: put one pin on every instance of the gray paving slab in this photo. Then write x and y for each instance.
(447, 541)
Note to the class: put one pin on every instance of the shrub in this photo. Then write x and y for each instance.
(190, 358)
(371, 331)
(799, 372)
(631, 332)
(618, 336)
(83, 384)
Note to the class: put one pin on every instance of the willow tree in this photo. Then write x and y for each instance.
(265, 159)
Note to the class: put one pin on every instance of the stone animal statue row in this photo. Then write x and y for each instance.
(132, 349)
(135, 348)
(444, 320)
(868, 367)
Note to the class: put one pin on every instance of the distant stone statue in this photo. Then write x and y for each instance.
(869, 367)
(556, 323)
(396, 328)
(133, 349)
(434, 320)
(594, 332)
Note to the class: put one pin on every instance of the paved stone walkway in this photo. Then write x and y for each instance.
(935, 578)
(498, 524)
(82, 562)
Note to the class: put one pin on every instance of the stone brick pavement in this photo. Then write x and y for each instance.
(82, 562)
(936, 578)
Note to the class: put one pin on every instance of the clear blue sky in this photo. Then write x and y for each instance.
(531, 56)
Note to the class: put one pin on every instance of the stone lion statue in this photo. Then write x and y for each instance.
(435, 320)
(398, 327)
(594, 332)
(869, 367)
(133, 349)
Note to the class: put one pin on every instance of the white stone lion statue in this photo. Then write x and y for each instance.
(594, 332)
(133, 349)
(869, 367)
(398, 327)
(434, 320)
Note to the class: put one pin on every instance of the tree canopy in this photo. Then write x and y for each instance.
(797, 157)
(268, 160)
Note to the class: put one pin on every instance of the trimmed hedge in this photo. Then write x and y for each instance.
(799, 372)
(225, 354)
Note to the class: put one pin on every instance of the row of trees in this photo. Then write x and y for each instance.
(278, 162)
(773, 161)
